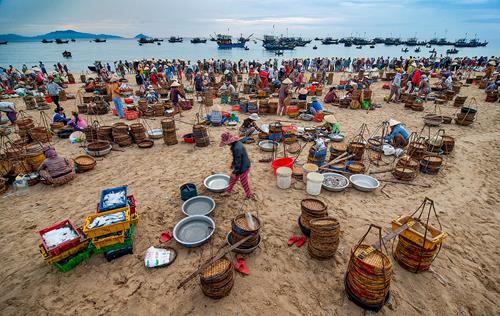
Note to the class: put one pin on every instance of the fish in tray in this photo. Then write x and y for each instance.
(58, 236)
(114, 198)
(107, 220)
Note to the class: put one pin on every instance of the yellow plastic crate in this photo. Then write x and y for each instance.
(108, 229)
(109, 241)
(434, 236)
(62, 255)
(135, 218)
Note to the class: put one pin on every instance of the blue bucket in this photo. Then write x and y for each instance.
(188, 190)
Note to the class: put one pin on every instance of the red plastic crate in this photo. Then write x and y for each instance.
(63, 246)
(131, 115)
(131, 203)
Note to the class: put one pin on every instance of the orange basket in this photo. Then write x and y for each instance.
(131, 115)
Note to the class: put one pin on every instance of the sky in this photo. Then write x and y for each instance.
(308, 18)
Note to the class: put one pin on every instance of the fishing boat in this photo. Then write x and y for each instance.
(198, 40)
(443, 42)
(329, 41)
(393, 41)
(372, 46)
(279, 46)
(404, 50)
(300, 42)
(226, 42)
(432, 51)
(144, 40)
(158, 43)
(360, 41)
(73, 40)
(66, 54)
(411, 41)
(246, 48)
(428, 45)
(278, 53)
(417, 50)
(60, 41)
(452, 51)
(156, 39)
(47, 41)
(99, 40)
(359, 47)
(347, 44)
(174, 39)
(378, 40)
(315, 47)
(318, 39)
(3, 43)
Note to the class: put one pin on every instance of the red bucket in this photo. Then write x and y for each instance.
(282, 162)
(48, 99)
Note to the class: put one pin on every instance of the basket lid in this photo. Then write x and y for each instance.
(216, 269)
(313, 205)
(376, 258)
(242, 223)
(324, 223)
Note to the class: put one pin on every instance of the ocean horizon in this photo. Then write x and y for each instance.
(85, 52)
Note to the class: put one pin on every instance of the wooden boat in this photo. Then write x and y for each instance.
(60, 41)
(3, 43)
(47, 41)
(98, 40)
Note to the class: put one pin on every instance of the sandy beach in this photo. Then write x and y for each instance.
(284, 280)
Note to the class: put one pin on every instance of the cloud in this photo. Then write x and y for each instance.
(292, 20)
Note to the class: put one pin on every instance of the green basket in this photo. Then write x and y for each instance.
(128, 242)
(365, 104)
(68, 264)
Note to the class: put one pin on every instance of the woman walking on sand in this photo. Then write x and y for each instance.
(240, 164)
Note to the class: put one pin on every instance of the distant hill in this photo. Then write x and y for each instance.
(141, 36)
(67, 34)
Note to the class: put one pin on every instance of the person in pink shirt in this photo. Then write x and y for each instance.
(77, 122)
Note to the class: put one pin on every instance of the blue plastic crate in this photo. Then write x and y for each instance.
(113, 206)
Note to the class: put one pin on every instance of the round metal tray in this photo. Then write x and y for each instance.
(198, 205)
(216, 183)
(194, 231)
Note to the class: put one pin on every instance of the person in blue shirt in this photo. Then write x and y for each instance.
(399, 135)
(59, 116)
(315, 106)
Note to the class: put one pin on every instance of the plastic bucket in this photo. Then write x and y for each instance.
(188, 190)
(284, 177)
(306, 168)
(314, 183)
(282, 162)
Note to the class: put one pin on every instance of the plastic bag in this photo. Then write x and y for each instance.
(157, 257)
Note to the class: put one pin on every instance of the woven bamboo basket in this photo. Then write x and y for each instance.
(324, 238)
(217, 280)
(448, 144)
(84, 163)
(413, 257)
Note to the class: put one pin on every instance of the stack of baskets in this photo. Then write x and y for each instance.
(459, 101)
(412, 256)
(410, 100)
(264, 106)
(34, 156)
(406, 168)
(356, 148)
(431, 164)
(30, 102)
(273, 106)
(90, 133)
(40, 134)
(418, 105)
(3, 186)
(121, 135)
(368, 277)
(169, 135)
(466, 116)
(217, 280)
(200, 135)
(240, 228)
(324, 240)
(417, 149)
(491, 96)
(311, 209)
(317, 157)
(448, 144)
(337, 149)
(105, 133)
(24, 125)
(158, 109)
(138, 132)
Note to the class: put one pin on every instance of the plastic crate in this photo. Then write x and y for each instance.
(108, 229)
(112, 190)
(131, 204)
(134, 219)
(63, 255)
(109, 240)
(63, 246)
(128, 242)
(67, 264)
(131, 115)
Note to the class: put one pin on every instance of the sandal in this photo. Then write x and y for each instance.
(241, 266)
(165, 236)
(302, 239)
(293, 240)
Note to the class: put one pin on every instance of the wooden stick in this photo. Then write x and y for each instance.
(210, 261)
(381, 171)
(337, 171)
(385, 193)
(407, 183)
